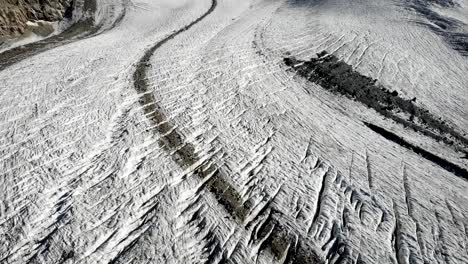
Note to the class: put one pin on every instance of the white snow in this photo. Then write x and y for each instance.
(88, 178)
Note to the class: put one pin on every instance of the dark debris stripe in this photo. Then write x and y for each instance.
(445, 164)
(282, 234)
(338, 77)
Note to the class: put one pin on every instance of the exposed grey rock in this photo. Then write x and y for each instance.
(15, 13)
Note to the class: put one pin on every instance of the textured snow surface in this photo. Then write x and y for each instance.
(176, 134)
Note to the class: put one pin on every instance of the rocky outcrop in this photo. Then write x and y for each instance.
(14, 14)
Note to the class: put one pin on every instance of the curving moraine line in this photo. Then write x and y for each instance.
(281, 239)
(84, 28)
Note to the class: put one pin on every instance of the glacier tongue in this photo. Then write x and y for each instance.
(174, 132)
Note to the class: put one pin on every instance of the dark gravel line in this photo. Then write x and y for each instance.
(443, 163)
(340, 78)
(282, 234)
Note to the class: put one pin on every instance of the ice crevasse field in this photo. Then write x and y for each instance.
(238, 131)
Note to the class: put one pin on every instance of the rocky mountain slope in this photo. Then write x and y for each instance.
(14, 14)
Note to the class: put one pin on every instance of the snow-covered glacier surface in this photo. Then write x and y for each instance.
(239, 131)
